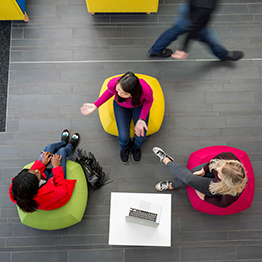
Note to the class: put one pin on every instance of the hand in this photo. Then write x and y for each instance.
(180, 55)
(88, 108)
(139, 127)
(56, 160)
(46, 157)
(201, 195)
(200, 172)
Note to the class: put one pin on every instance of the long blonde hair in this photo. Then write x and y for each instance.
(233, 179)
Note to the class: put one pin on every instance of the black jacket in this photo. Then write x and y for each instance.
(200, 13)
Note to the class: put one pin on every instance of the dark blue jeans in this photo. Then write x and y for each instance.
(206, 35)
(60, 148)
(123, 117)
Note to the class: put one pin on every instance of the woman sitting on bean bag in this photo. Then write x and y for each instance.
(133, 97)
(219, 182)
(39, 188)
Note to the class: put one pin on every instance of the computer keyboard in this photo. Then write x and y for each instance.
(133, 212)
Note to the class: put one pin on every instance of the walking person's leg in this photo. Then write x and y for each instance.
(208, 37)
(170, 35)
(123, 117)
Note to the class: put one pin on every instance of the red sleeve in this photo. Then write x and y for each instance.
(59, 183)
(38, 165)
(58, 175)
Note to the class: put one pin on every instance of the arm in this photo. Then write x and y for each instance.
(58, 179)
(103, 98)
(89, 108)
(110, 91)
(57, 185)
(38, 165)
(200, 172)
(147, 100)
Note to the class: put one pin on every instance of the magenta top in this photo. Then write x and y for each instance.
(146, 97)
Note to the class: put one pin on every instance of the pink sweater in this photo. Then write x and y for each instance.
(146, 97)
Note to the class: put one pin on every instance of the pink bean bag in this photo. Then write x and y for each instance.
(245, 200)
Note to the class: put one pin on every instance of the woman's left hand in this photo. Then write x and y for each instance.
(139, 127)
(46, 157)
(201, 195)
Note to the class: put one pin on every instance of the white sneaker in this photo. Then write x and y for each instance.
(161, 154)
(162, 186)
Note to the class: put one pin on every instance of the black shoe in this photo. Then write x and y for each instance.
(234, 56)
(136, 155)
(124, 155)
(74, 140)
(166, 52)
(65, 135)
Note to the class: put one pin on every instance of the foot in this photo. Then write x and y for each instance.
(234, 56)
(65, 136)
(124, 156)
(166, 52)
(136, 155)
(74, 140)
(162, 186)
(161, 154)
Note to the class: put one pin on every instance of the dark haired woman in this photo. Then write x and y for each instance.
(133, 97)
(39, 188)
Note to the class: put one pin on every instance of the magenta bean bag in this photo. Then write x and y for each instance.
(245, 200)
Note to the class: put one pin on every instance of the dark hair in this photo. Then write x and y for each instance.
(25, 187)
(130, 84)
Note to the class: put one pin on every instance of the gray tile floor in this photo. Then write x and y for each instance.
(59, 61)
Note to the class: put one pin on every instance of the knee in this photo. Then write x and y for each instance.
(62, 151)
(48, 148)
(141, 139)
(124, 137)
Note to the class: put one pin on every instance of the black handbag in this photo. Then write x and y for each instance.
(94, 173)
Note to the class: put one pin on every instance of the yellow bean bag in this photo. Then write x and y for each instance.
(122, 6)
(156, 115)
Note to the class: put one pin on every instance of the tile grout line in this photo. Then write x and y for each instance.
(124, 61)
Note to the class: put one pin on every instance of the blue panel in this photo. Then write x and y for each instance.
(21, 4)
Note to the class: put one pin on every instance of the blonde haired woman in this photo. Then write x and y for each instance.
(219, 182)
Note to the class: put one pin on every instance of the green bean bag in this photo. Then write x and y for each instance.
(69, 214)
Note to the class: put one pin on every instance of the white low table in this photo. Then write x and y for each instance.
(122, 232)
